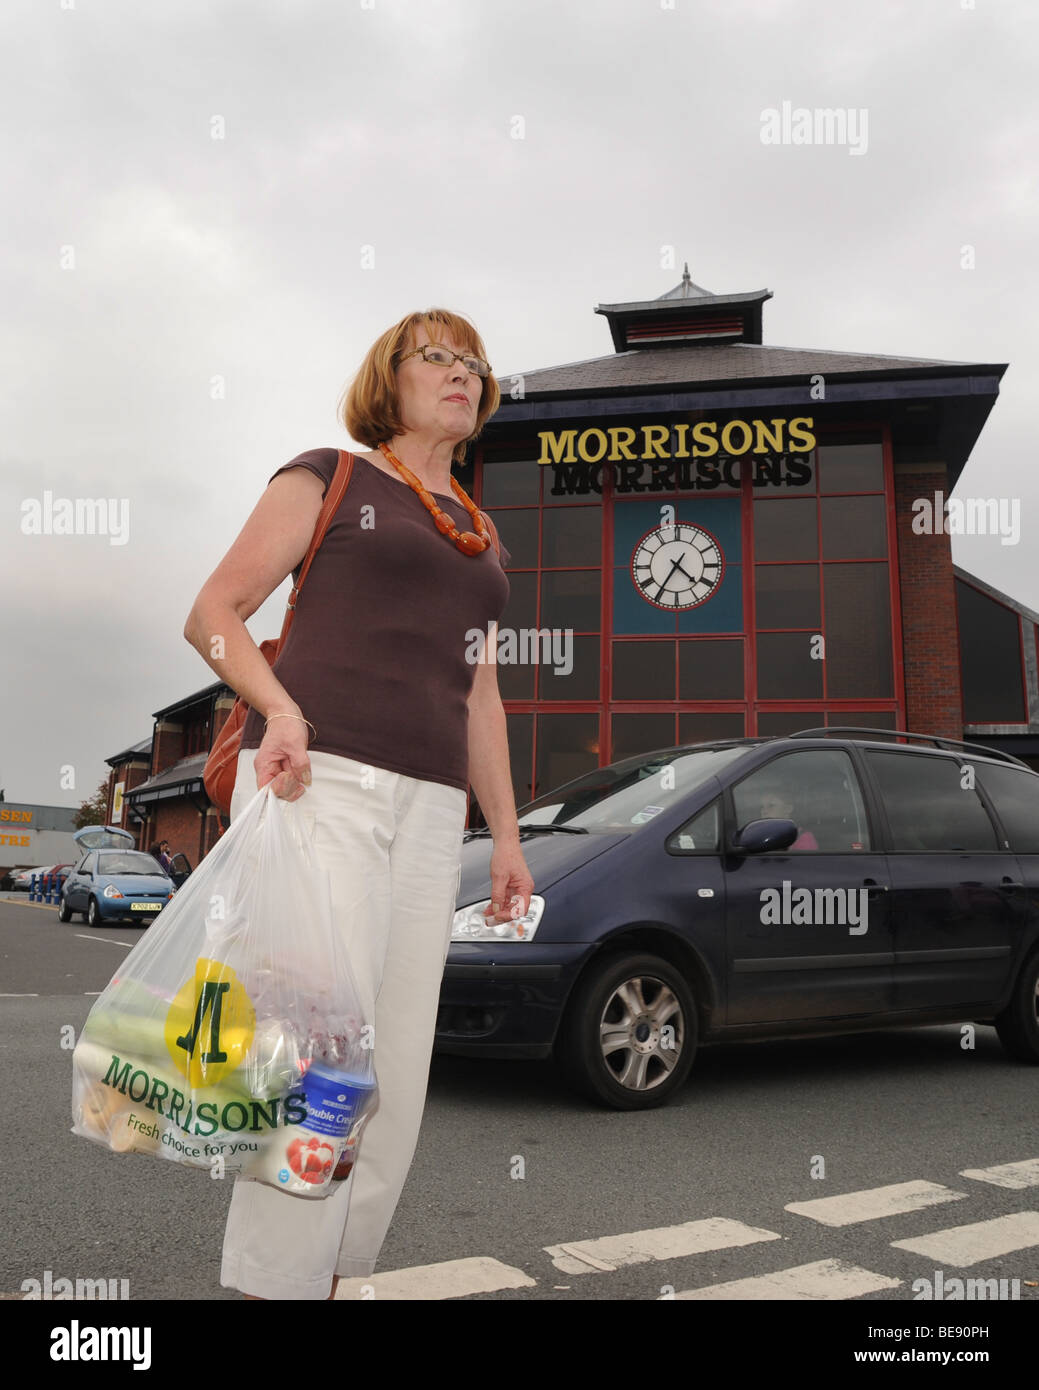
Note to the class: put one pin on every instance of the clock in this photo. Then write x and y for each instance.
(677, 567)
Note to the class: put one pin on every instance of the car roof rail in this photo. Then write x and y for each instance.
(890, 735)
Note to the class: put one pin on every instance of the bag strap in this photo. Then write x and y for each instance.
(333, 497)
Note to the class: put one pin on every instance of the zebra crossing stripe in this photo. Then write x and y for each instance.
(824, 1279)
(1025, 1174)
(872, 1203)
(659, 1243)
(983, 1240)
(451, 1279)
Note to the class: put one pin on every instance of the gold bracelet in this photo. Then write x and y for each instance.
(287, 716)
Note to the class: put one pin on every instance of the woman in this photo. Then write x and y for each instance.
(374, 713)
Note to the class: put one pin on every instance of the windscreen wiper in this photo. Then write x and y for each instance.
(537, 829)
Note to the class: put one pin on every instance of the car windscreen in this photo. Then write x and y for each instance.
(130, 863)
(629, 793)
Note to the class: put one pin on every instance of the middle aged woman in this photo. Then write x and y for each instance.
(375, 668)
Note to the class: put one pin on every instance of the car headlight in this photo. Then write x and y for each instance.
(112, 892)
(471, 925)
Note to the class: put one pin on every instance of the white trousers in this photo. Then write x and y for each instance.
(393, 850)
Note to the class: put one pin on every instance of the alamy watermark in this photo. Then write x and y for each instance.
(77, 516)
(968, 516)
(948, 1290)
(526, 646)
(60, 1287)
(820, 125)
(808, 907)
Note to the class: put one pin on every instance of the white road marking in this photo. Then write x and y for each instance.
(659, 1243)
(19, 996)
(984, 1240)
(103, 938)
(1024, 1174)
(825, 1279)
(452, 1279)
(872, 1203)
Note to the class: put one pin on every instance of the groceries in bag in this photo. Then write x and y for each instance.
(232, 1039)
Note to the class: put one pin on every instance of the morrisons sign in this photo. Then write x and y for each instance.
(698, 456)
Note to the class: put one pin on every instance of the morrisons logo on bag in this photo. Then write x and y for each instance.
(209, 1116)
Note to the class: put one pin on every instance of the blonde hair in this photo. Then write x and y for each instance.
(370, 406)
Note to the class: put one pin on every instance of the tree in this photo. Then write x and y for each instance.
(94, 811)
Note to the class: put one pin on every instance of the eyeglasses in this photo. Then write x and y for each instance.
(443, 357)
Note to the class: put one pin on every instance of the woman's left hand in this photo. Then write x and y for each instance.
(511, 884)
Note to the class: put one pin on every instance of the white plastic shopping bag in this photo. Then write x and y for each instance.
(231, 1037)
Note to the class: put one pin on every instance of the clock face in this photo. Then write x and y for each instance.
(677, 567)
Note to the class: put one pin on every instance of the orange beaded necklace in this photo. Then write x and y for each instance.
(467, 543)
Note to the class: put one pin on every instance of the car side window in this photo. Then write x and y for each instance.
(818, 790)
(90, 864)
(928, 807)
(1015, 795)
(700, 835)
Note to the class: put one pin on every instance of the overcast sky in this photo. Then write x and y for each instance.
(145, 258)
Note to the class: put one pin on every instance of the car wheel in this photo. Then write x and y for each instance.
(64, 911)
(1018, 1024)
(93, 913)
(612, 1043)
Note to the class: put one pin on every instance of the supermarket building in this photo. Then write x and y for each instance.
(726, 538)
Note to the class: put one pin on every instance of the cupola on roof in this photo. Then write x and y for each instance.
(686, 314)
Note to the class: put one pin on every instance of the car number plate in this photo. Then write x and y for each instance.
(145, 907)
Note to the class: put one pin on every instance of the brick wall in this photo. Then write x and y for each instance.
(179, 822)
(930, 641)
(167, 745)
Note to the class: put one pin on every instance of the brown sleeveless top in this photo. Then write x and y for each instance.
(376, 657)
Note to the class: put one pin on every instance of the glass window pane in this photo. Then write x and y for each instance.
(572, 536)
(1016, 797)
(787, 595)
(568, 747)
(709, 670)
(644, 670)
(860, 719)
(858, 631)
(520, 732)
(781, 723)
(703, 727)
(990, 659)
(851, 467)
(787, 670)
(854, 528)
(819, 791)
(641, 733)
(509, 481)
(520, 609)
(518, 532)
(927, 806)
(701, 835)
(573, 671)
(571, 598)
(785, 529)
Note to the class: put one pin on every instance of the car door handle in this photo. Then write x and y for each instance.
(1008, 885)
(872, 886)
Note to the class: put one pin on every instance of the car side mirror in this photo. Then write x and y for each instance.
(764, 836)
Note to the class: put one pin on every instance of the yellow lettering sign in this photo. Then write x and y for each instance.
(734, 437)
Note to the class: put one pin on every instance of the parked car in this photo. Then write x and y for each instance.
(21, 881)
(835, 881)
(114, 881)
